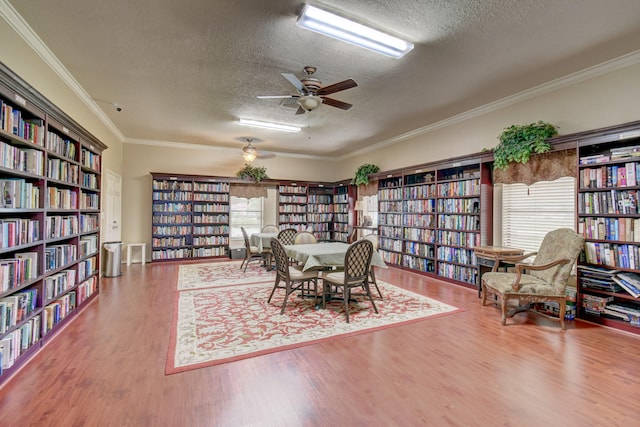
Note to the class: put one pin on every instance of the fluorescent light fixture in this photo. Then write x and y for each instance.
(340, 28)
(267, 125)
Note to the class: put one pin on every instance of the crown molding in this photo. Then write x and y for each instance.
(571, 79)
(20, 26)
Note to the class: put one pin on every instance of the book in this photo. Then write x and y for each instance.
(631, 289)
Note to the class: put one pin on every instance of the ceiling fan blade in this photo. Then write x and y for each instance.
(277, 96)
(265, 155)
(300, 110)
(296, 82)
(337, 87)
(336, 103)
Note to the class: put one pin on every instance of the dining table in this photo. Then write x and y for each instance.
(324, 255)
(262, 241)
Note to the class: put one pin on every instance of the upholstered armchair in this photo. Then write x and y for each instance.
(544, 280)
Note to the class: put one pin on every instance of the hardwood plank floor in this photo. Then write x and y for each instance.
(106, 368)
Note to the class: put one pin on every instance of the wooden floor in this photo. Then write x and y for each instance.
(107, 369)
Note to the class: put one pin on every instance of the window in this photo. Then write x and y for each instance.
(245, 213)
(530, 212)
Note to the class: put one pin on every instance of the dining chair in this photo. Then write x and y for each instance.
(373, 238)
(270, 229)
(293, 278)
(304, 237)
(251, 252)
(357, 263)
(287, 235)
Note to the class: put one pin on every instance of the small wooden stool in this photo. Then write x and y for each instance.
(143, 249)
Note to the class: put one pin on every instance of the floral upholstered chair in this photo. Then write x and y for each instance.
(544, 280)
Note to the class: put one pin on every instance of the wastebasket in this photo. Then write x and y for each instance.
(111, 259)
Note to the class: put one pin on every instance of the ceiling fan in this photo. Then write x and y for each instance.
(311, 93)
(250, 153)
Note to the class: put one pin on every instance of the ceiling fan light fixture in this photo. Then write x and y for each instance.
(337, 27)
(249, 156)
(268, 125)
(310, 102)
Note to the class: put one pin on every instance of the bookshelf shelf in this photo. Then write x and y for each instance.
(43, 228)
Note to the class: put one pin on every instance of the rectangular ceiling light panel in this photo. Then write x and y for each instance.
(267, 125)
(340, 28)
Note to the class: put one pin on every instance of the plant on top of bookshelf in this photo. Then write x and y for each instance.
(257, 173)
(362, 173)
(518, 142)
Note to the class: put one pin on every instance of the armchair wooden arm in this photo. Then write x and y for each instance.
(521, 268)
(509, 259)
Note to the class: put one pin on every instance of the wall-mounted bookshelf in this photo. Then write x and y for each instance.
(190, 217)
(320, 216)
(50, 171)
(292, 205)
(430, 217)
(608, 205)
(343, 216)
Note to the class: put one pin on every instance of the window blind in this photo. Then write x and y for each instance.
(530, 212)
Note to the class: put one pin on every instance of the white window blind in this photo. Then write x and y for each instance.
(245, 213)
(530, 212)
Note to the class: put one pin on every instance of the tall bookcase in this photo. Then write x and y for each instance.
(431, 218)
(292, 205)
(320, 210)
(608, 205)
(343, 216)
(190, 217)
(50, 170)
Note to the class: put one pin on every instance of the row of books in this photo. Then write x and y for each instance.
(390, 244)
(613, 254)
(420, 192)
(420, 206)
(172, 196)
(609, 202)
(60, 145)
(616, 153)
(62, 198)
(390, 194)
(211, 197)
(58, 256)
(89, 201)
(55, 312)
(610, 280)
(17, 307)
(459, 188)
(292, 189)
(457, 255)
(18, 341)
(21, 159)
(17, 270)
(11, 121)
(60, 226)
(63, 171)
(320, 209)
(90, 159)
(18, 193)
(622, 229)
(90, 180)
(610, 176)
(58, 283)
(212, 187)
(459, 222)
(89, 222)
(172, 185)
(458, 272)
(320, 199)
(420, 264)
(18, 231)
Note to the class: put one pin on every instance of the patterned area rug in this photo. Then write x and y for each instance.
(214, 274)
(220, 324)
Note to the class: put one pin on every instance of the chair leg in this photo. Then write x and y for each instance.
(275, 286)
(503, 305)
(368, 289)
(373, 280)
(286, 296)
(484, 293)
(562, 305)
(346, 294)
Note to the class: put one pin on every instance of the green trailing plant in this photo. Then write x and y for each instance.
(518, 142)
(257, 173)
(362, 173)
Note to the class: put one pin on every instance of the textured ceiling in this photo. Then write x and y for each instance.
(186, 71)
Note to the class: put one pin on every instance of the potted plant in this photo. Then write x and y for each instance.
(257, 173)
(518, 142)
(362, 173)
